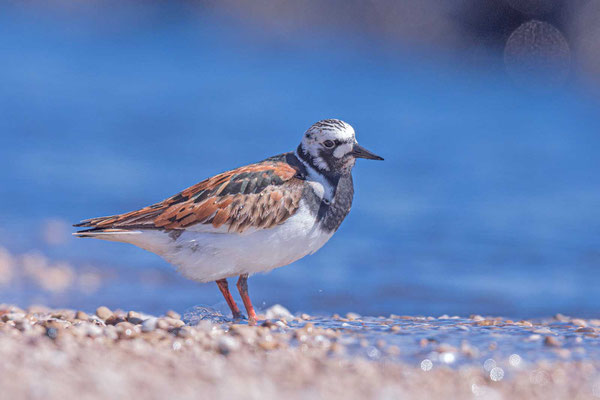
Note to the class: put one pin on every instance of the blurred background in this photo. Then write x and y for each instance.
(487, 113)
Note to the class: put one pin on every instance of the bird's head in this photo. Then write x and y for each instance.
(330, 146)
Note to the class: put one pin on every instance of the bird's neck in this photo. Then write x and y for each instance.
(332, 177)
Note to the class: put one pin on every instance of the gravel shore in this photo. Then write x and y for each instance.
(59, 354)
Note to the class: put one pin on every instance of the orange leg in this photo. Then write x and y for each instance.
(224, 287)
(242, 285)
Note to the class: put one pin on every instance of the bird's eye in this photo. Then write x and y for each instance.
(328, 143)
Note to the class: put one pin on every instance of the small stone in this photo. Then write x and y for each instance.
(184, 332)
(268, 324)
(114, 320)
(134, 318)
(352, 316)
(585, 330)
(579, 322)
(227, 344)
(173, 314)
(305, 317)
(396, 328)
(82, 316)
(524, 323)
(162, 324)
(149, 325)
(93, 330)
(175, 323)
(308, 328)
(103, 313)
(53, 328)
(52, 333)
(38, 309)
(23, 325)
(561, 318)
(126, 330)
(278, 312)
(446, 348)
(268, 344)
(60, 315)
(552, 341)
(17, 316)
(280, 324)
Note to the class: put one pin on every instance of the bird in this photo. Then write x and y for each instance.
(250, 219)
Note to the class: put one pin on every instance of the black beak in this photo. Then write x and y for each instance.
(360, 152)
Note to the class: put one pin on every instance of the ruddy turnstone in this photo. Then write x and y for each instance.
(250, 219)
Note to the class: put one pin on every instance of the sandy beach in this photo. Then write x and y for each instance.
(57, 354)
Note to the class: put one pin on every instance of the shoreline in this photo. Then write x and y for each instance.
(54, 354)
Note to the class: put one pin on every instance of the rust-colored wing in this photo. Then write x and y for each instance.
(259, 195)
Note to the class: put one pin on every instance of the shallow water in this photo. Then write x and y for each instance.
(499, 346)
(487, 202)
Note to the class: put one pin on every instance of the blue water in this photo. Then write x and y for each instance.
(488, 201)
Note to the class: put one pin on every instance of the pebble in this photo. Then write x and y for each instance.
(93, 330)
(524, 323)
(104, 313)
(149, 324)
(243, 331)
(114, 320)
(82, 316)
(268, 344)
(579, 322)
(352, 316)
(561, 318)
(278, 312)
(134, 317)
(585, 330)
(446, 348)
(280, 324)
(126, 330)
(176, 323)
(173, 314)
(226, 344)
(184, 332)
(17, 316)
(552, 341)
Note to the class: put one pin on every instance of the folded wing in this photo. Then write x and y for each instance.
(259, 195)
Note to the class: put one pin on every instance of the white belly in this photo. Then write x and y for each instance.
(206, 256)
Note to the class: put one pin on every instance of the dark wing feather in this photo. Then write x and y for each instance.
(259, 195)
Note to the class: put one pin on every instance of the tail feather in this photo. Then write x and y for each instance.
(99, 232)
(92, 221)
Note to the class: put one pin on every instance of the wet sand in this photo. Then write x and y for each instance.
(57, 354)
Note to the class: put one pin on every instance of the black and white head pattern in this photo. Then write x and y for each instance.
(327, 145)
